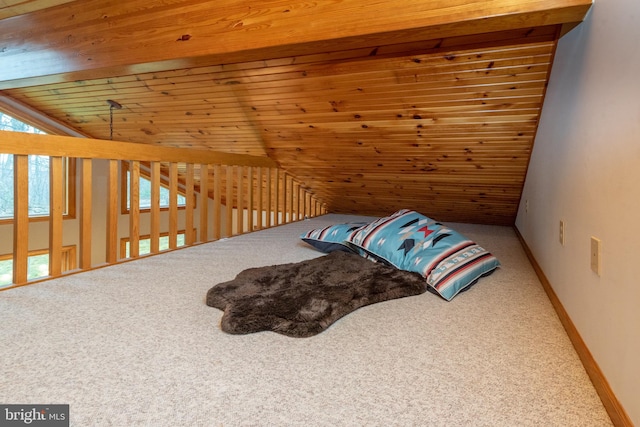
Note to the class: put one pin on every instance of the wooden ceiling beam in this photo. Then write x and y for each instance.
(91, 39)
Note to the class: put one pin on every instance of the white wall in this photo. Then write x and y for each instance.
(38, 235)
(585, 170)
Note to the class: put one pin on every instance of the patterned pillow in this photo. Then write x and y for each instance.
(332, 238)
(411, 241)
(459, 266)
(388, 239)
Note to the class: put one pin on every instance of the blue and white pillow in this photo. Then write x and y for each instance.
(411, 241)
(388, 239)
(332, 238)
(459, 267)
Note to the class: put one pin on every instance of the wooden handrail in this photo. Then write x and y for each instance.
(67, 146)
(257, 195)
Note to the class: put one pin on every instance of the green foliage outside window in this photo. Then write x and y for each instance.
(38, 175)
(38, 266)
(145, 194)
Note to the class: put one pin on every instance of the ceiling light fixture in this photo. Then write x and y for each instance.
(112, 104)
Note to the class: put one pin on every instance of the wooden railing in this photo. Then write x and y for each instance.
(231, 194)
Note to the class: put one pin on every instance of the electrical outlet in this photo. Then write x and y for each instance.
(561, 234)
(596, 255)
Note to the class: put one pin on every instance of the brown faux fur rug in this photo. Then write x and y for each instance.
(303, 299)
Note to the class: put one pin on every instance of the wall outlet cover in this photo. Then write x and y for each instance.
(596, 255)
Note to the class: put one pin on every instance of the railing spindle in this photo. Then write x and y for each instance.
(217, 202)
(290, 197)
(86, 191)
(20, 218)
(173, 205)
(250, 201)
(134, 209)
(285, 198)
(240, 201)
(112, 213)
(229, 200)
(276, 197)
(154, 234)
(268, 195)
(189, 238)
(56, 184)
(260, 209)
(298, 200)
(204, 203)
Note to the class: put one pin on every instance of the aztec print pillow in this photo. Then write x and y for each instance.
(332, 238)
(460, 266)
(388, 239)
(411, 241)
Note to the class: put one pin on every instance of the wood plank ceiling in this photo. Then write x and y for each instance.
(444, 125)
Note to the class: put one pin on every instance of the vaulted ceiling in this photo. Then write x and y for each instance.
(373, 106)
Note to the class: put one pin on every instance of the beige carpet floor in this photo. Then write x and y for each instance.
(135, 345)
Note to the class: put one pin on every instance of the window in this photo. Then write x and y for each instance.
(9, 123)
(38, 178)
(38, 264)
(145, 192)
